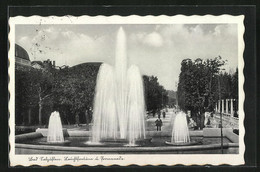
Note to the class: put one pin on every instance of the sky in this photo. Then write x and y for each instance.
(157, 49)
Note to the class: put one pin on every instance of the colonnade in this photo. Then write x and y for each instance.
(226, 106)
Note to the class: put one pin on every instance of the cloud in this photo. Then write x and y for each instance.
(24, 40)
(64, 45)
(157, 49)
(84, 48)
(153, 39)
(225, 30)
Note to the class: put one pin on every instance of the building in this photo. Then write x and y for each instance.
(21, 57)
(45, 65)
(22, 61)
(37, 64)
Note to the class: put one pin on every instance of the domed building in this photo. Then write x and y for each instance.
(21, 57)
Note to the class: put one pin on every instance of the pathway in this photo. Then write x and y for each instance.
(167, 122)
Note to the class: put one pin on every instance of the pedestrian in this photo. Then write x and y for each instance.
(158, 124)
(207, 118)
(159, 113)
(164, 114)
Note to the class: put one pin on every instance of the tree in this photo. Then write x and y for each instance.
(75, 88)
(69, 90)
(197, 87)
(234, 85)
(172, 97)
(33, 88)
(24, 97)
(41, 86)
(155, 95)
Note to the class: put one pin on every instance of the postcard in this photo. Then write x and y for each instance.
(123, 90)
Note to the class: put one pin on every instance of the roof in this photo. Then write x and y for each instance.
(21, 52)
(37, 63)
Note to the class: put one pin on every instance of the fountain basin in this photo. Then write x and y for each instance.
(229, 148)
(29, 144)
(125, 141)
(64, 143)
(193, 142)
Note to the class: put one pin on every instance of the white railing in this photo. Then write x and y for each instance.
(228, 121)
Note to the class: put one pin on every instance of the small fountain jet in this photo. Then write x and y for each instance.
(55, 132)
(180, 131)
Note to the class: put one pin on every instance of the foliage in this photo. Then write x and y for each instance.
(197, 86)
(172, 97)
(33, 87)
(155, 95)
(199, 80)
(75, 87)
(70, 91)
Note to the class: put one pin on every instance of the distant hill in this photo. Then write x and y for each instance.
(85, 65)
(97, 64)
(83, 69)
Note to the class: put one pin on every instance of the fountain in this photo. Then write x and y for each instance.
(119, 106)
(105, 119)
(180, 131)
(55, 133)
(135, 105)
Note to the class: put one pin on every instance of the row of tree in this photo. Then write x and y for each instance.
(156, 96)
(39, 92)
(70, 91)
(202, 83)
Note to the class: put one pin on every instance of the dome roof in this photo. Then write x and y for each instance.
(21, 52)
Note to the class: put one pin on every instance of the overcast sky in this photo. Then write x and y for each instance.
(157, 49)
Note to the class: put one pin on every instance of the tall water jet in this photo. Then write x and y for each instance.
(105, 118)
(55, 133)
(120, 72)
(119, 107)
(180, 132)
(135, 105)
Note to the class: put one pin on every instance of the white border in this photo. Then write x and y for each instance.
(137, 159)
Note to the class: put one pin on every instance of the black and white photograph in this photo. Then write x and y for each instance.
(126, 90)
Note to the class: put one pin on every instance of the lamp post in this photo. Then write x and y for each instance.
(221, 132)
(162, 102)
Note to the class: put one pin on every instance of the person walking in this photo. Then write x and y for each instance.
(158, 124)
(164, 114)
(159, 113)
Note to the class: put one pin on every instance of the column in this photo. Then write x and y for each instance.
(231, 108)
(222, 110)
(226, 106)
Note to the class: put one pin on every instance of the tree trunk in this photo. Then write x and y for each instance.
(29, 116)
(66, 118)
(40, 114)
